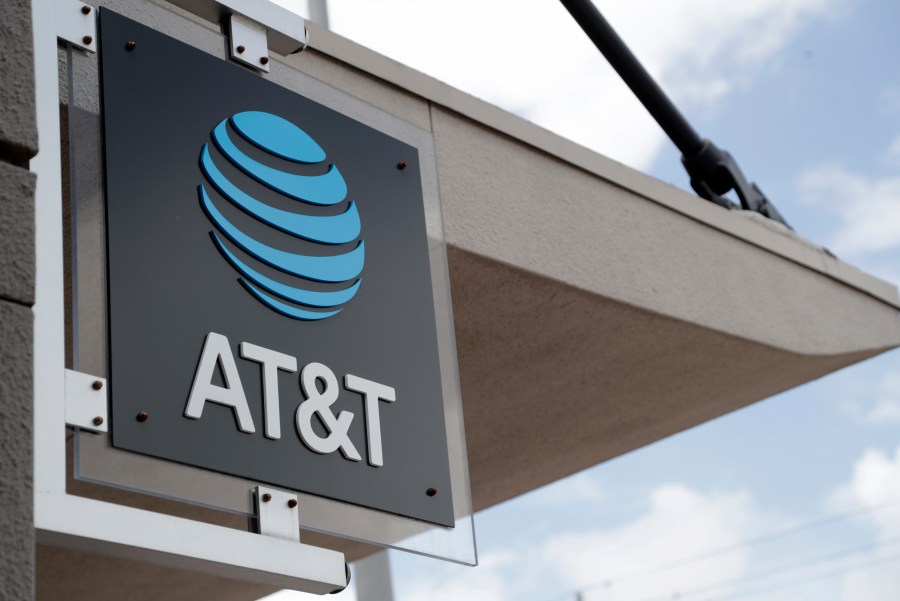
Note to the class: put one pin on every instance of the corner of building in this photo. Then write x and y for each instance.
(18, 144)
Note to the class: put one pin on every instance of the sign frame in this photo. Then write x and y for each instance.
(170, 287)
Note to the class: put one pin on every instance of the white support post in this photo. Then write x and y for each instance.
(372, 576)
(318, 12)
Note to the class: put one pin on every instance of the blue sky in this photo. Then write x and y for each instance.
(806, 95)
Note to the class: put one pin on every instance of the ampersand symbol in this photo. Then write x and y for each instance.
(320, 403)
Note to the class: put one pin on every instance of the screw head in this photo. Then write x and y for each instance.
(98, 421)
(97, 385)
(402, 165)
(431, 492)
(240, 49)
(264, 60)
(142, 416)
(87, 39)
(266, 497)
(130, 45)
(292, 503)
(85, 10)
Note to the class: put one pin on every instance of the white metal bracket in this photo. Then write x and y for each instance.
(285, 30)
(249, 44)
(277, 513)
(76, 23)
(86, 401)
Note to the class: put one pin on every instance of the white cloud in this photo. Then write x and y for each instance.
(487, 582)
(884, 412)
(887, 408)
(875, 402)
(681, 523)
(531, 58)
(878, 583)
(875, 483)
(868, 209)
(579, 488)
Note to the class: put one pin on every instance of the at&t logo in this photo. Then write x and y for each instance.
(309, 285)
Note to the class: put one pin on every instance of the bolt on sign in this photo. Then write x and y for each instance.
(271, 313)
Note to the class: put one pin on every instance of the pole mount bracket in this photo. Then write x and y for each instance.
(714, 172)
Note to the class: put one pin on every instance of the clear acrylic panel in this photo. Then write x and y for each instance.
(94, 459)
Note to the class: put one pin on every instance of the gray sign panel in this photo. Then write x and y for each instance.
(270, 299)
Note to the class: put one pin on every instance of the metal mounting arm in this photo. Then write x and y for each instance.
(713, 171)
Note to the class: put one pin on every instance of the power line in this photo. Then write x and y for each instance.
(806, 580)
(789, 567)
(751, 542)
(747, 543)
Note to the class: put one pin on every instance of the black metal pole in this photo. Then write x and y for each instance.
(713, 171)
(635, 76)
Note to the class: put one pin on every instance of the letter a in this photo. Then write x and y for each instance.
(217, 350)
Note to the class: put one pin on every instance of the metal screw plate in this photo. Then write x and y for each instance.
(86, 401)
(76, 23)
(249, 44)
(278, 513)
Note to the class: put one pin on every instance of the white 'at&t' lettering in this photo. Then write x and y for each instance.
(217, 350)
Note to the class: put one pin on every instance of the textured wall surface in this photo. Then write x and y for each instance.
(16, 524)
(18, 143)
(18, 131)
(16, 234)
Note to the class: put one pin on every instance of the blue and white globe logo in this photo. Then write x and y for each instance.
(308, 286)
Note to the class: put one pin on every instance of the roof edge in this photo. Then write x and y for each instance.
(759, 231)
